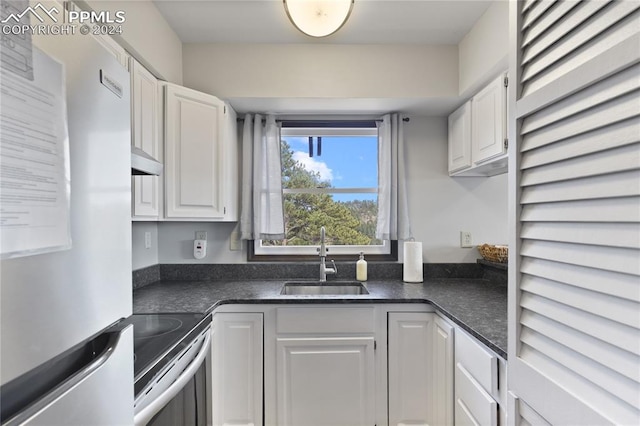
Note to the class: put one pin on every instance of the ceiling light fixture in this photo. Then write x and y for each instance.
(318, 18)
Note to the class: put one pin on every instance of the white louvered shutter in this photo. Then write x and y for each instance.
(574, 301)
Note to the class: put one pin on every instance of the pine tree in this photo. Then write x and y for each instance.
(306, 213)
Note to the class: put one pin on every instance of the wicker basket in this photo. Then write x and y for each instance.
(493, 253)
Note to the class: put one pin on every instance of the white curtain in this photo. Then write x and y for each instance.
(262, 213)
(393, 214)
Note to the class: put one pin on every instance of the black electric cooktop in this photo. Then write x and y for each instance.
(157, 338)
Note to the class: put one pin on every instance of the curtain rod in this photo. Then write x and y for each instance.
(377, 120)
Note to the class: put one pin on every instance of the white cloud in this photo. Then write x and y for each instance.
(313, 165)
(297, 140)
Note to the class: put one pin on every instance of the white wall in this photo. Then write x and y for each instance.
(143, 257)
(439, 208)
(176, 243)
(321, 70)
(483, 52)
(147, 36)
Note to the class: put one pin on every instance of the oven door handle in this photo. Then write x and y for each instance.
(147, 413)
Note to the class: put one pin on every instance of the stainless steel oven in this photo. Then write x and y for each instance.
(171, 369)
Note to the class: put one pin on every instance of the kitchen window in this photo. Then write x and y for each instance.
(329, 178)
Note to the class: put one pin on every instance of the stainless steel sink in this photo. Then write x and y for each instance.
(333, 288)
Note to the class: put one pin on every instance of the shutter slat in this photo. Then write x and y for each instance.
(618, 109)
(622, 159)
(547, 21)
(625, 184)
(619, 386)
(594, 395)
(605, 258)
(616, 23)
(622, 83)
(622, 362)
(619, 285)
(580, 47)
(625, 235)
(527, 5)
(618, 134)
(604, 210)
(536, 11)
(609, 307)
(613, 333)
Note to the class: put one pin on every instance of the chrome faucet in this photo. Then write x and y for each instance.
(322, 251)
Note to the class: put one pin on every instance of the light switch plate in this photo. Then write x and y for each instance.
(147, 240)
(201, 235)
(234, 241)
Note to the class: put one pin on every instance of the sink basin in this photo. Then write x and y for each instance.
(332, 288)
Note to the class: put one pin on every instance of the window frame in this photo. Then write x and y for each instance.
(388, 251)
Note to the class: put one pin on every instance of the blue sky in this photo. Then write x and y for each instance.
(347, 162)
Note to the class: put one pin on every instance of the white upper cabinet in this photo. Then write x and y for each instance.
(489, 122)
(145, 134)
(460, 138)
(114, 48)
(478, 133)
(200, 151)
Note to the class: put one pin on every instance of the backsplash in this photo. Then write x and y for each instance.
(308, 270)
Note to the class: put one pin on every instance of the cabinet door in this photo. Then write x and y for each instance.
(473, 405)
(237, 369)
(114, 48)
(325, 381)
(193, 158)
(460, 138)
(231, 167)
(443, 362)
(410, 361)
(145, 131)
(489, 114)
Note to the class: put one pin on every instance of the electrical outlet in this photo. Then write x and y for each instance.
(465, 239)
(201, 235)
(147, 240)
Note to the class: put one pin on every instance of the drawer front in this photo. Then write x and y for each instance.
(334, 320)
(480, 362)
(473, 404)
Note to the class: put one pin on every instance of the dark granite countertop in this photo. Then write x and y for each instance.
(477, 305)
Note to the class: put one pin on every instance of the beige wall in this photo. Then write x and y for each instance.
(147, 36)
(483, 52)
(321, 70)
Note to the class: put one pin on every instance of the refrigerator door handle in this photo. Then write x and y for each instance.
(144, 415)
(77, 377)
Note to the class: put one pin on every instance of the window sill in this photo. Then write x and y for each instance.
(252, 257)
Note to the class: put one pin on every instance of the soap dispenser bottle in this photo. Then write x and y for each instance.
(361, 268)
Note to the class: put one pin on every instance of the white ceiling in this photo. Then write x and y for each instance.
(371, 22)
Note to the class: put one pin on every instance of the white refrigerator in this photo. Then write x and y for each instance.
(57, 365)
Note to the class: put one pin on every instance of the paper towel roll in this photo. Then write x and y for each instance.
(412, 268)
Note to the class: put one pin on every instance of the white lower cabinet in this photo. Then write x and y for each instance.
(237, 369)
(409, 367)
(325, 365)
(351, 365)
(325, 381)
(442, 379)
(479, 383)
(420, 369)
